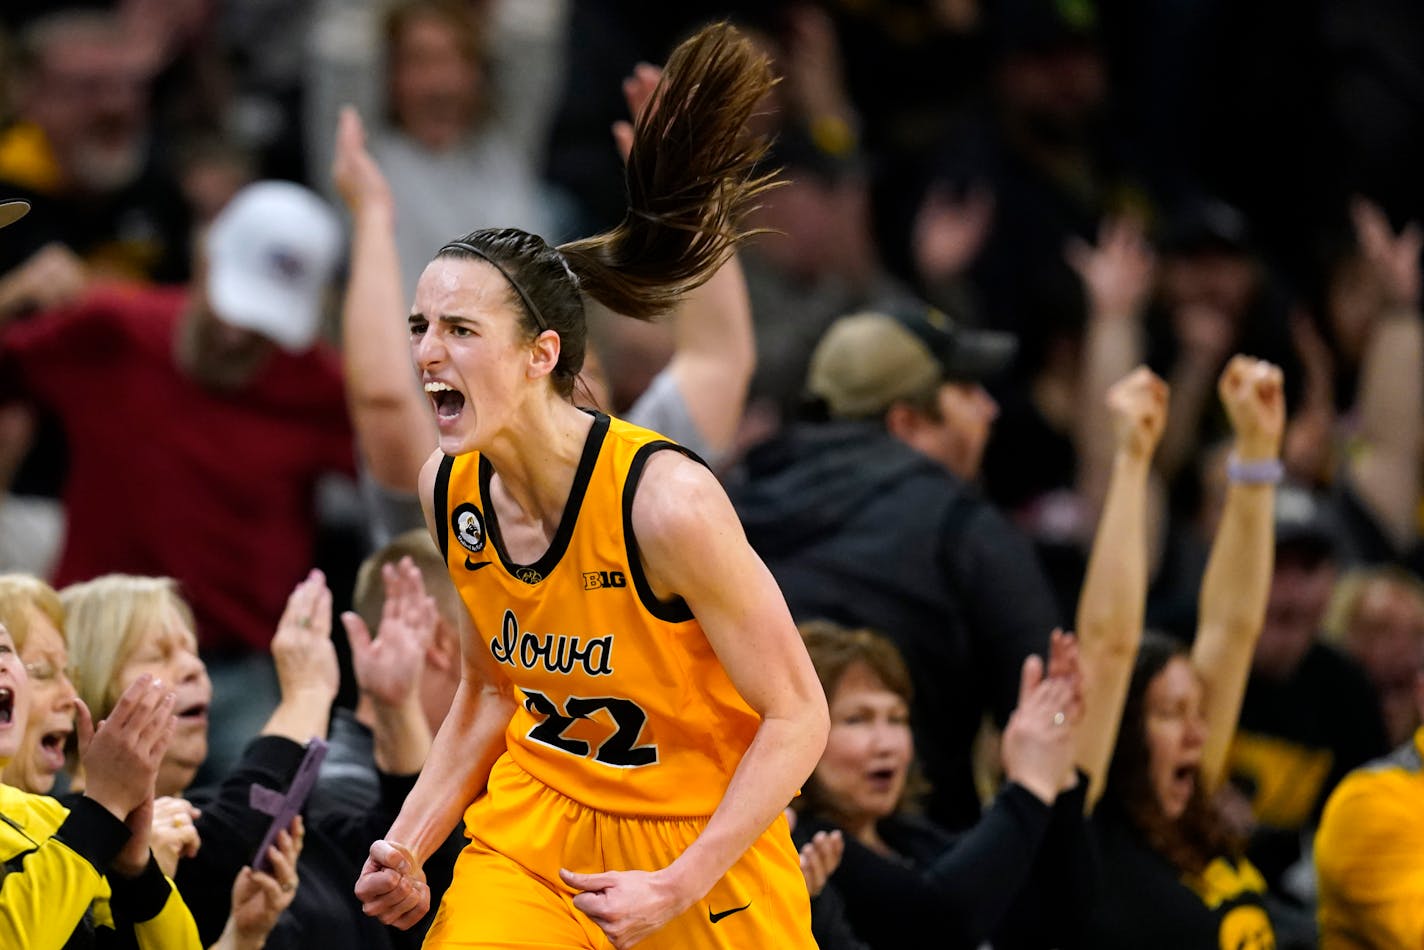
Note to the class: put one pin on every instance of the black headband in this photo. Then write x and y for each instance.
(539, 320)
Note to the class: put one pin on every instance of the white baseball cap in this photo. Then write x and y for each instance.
(271, 253)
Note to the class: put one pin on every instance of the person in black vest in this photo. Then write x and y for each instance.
(868, 517)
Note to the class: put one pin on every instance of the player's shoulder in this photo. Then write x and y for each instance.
(673, 484)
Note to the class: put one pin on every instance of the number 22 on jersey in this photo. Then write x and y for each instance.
(619, 748)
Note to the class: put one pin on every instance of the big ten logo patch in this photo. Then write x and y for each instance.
(598, 580)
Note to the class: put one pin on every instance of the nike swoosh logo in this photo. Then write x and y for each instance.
(475, 565)
(726, 913)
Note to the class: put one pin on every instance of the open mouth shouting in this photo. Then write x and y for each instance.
(448, 401)
(1181, 784)
(1184, 778)
(882, 780)
(52, 748)
(7, 706)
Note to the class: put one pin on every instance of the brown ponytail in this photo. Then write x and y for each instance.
(691, 177)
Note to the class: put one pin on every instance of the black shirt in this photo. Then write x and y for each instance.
(324, 907)
(1143, 901)
(356, 804)
(1016, 876)
(1296, 740)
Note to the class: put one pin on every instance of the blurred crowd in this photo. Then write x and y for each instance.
(1068, 314)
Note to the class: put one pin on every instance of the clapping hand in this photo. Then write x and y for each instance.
(949, 231)
(1117, 273)
(819, 859)
(173, 836)
(301, 648)
(1039, 747)
(1393, 259)
(51, 277)
(121, 764)
(388, 667)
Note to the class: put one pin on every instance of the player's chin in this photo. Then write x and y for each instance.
(459, 437)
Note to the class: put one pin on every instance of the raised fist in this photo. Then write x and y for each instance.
(1253, 395)
(1138, 405)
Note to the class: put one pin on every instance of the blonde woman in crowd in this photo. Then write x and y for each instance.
(122, 628)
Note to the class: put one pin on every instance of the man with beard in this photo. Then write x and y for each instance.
(870, 518)
(198, 420)
(79, 152)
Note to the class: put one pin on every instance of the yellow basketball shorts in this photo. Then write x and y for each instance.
(506, 891)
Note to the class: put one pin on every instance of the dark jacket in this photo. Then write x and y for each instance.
(860, 529)
(356, 804)
(1021, 876)
(324, 909)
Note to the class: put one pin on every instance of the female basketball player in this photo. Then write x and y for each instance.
(636, 706)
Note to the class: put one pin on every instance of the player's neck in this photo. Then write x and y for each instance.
(535, 462)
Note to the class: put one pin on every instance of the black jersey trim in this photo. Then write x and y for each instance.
(669, 611)
(442, 503)
(540, 569)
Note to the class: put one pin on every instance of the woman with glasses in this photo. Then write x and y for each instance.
(31, 611)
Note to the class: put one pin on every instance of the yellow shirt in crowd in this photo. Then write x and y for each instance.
(49, 889)
(1369, 855)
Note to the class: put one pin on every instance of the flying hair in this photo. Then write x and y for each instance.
(691, 177)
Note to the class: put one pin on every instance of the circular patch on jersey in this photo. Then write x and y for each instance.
(469, 527)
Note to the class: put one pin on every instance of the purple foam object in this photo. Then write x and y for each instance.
(284, 806)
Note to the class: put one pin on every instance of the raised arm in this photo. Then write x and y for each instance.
(1114, 592)
(394, 428)
(680, 508)
(1390, 401)
(308, 673)
(392, 885)
(715, 354)
(1117, 276)
(1238, 572)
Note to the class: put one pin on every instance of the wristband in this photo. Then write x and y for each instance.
(1262, 472)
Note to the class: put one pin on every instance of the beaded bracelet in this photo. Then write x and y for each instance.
(1261, 472)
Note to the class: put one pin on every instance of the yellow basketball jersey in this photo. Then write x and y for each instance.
(624, 707)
